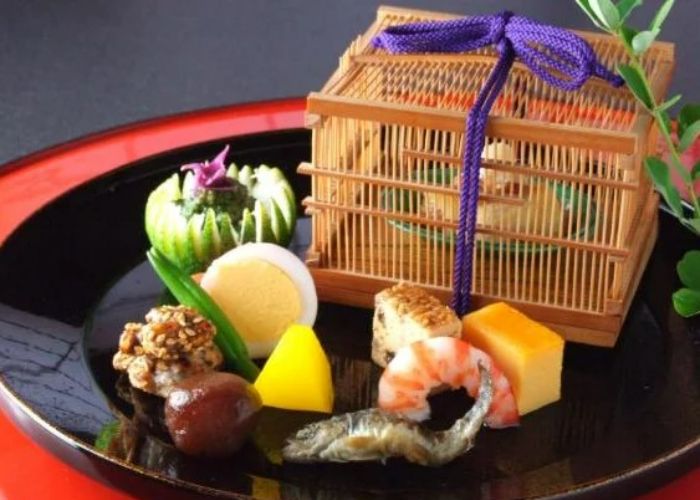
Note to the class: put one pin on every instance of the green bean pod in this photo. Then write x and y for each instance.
(188, 292)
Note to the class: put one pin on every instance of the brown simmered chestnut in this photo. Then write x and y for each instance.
(211, 414)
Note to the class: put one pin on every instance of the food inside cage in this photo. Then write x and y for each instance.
(509, 201)
(446, 206)
(537, 207)
(540, 210)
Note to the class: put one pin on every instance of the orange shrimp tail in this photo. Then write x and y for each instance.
(503, 411)
(429, 365)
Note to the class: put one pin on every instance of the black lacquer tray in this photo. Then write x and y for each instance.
(74, 273)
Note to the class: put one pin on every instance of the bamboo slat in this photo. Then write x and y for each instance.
(507, 128)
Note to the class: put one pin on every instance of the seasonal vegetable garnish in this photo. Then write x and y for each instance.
(611, 17)
(214, 209)
(263, 289)
(190, 294)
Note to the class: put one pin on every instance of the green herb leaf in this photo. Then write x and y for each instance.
(689, 269)
(586, 7)
(689, 135)
(661, 15)
(642, 41)
(625, 8)
(106, 434)
(690, 113)
(634, 79)
(686, 302)
(627, 33)
(606, 11)
(661, 177)
(669, 103)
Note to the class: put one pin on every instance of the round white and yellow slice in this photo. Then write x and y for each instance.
(263, 289)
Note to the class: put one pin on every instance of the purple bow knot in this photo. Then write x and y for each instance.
(555, 55)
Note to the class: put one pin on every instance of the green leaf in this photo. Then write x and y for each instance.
(688, 125)
(661, 177)
(106, 434)
(688, 120)
(669, 103)
(689, 135)
(686, 302)
(586, 8)
(625, 8)
(690, 113)
(642, 41)
(689, 269)
(606, 11)
(627, 33)
(635, 80)
(661, 15)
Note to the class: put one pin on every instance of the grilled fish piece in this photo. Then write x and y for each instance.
(405, 314)
(373, 434)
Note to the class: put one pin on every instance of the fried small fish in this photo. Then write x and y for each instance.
(374, 434)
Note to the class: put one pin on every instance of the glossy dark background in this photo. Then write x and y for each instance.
(70, 67)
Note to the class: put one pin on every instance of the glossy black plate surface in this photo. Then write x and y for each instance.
(73, 274)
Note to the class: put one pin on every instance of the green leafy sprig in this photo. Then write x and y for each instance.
(687, 300)
(611, 18)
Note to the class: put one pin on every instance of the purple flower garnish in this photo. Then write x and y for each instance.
(211, 174)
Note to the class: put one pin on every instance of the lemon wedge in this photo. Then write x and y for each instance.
(263, 289)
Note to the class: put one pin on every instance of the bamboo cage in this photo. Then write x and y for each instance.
(566, 218)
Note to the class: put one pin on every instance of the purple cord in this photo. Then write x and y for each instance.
(556, 55)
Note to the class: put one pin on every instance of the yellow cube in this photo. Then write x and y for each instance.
(529, 353)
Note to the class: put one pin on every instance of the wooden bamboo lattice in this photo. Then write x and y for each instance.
(566, 218)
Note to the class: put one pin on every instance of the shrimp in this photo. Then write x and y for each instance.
(438, 363)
